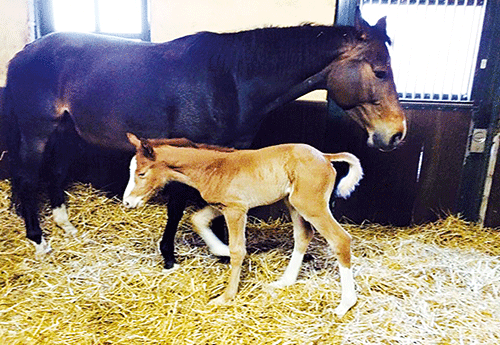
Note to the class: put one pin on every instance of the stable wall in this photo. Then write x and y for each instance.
(15, 31)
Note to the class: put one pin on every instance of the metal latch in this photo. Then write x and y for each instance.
(478, 140)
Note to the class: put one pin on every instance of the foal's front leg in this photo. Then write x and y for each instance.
(236, 218)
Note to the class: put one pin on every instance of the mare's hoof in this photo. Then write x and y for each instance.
(170, 264)
(223, 259)
(70, 230)
(42, 248)
(170, 270)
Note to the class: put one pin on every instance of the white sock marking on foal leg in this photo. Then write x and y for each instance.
(60, 215)
(201, 221)
(292, 271)
(349, 297)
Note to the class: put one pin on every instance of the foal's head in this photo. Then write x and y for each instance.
(361, 82)
(147, 173)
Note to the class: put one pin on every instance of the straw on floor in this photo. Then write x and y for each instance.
(432, 284)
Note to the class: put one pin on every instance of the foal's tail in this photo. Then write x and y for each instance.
(350, 181)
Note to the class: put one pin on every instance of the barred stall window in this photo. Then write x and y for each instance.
(435, 45)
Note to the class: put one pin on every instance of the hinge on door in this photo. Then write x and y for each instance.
(478, 140)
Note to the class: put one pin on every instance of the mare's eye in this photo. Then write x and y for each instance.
(141, 174)
(380, 74)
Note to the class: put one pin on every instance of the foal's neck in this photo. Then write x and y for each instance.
(191, 164)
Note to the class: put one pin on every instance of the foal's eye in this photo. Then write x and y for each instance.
(380, 74)
(141, 175)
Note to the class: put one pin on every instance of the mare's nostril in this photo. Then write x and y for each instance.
(396, 139)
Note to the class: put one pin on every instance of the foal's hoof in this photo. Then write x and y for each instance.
(42, 248)
(344, 307)
(221, 300)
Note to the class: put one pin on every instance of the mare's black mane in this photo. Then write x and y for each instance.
(273, 49)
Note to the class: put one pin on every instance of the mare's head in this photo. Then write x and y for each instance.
(361, 82)
(147, 173)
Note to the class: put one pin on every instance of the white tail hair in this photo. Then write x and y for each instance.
(347, 185)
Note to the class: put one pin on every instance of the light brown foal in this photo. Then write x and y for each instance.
(234, 181)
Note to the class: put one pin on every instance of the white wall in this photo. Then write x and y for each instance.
(171, 19)
(175, 18)
(14, 31)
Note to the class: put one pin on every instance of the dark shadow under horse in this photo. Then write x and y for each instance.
(210, 88)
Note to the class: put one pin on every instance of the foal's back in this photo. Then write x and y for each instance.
(261, 177)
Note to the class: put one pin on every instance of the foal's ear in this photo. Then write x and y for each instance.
(134, 140)
(147, 150)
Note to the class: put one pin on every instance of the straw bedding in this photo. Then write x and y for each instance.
(433, 284)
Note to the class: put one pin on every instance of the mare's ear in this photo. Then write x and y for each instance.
(361, 25)
(147, 150)
(134, 140)
(382, 25)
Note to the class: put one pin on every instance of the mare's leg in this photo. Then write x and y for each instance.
(63, 149)
(218, 227)
(236, 218)
(30, 161)
(175, 210)
(201, 225)
(318, 214)
(302, 233)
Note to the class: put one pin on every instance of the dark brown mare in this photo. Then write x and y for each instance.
(207, 87)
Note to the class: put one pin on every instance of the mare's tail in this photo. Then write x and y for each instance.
(350, 181)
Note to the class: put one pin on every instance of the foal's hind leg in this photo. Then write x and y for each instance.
(319, 215)
(302, 233)
(201, 225)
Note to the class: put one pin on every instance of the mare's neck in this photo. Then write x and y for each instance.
(273, 62)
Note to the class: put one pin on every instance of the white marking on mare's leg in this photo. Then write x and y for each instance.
(60, 215)
(201, 225)
(42, 248)
(349, 297)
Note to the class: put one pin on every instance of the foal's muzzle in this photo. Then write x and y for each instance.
(133, 202)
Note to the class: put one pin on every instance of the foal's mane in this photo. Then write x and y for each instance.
(183, 142)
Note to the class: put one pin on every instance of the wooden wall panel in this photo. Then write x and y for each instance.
(492, 217)
(391, 191)
(444, 142)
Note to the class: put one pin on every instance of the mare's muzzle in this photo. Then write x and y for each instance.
(385, 143)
